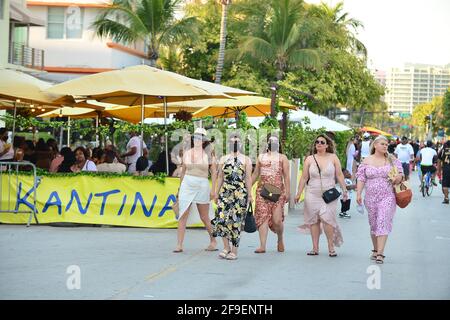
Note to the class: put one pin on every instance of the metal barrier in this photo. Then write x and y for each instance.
(7, 172)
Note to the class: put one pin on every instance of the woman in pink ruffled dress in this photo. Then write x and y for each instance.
(373, 176)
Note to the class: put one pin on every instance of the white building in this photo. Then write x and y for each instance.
(69, 41)
(415, 84)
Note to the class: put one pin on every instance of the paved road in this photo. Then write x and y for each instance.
(135, 263)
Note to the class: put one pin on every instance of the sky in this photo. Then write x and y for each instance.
(402, 31)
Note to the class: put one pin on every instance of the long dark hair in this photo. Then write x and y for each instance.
(330, 143)
(271, 135)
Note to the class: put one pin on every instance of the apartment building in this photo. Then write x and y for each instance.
(415, 84)
(69, 42)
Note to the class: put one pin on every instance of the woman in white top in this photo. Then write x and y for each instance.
(197, 164)
(82, 162)
(351, 150)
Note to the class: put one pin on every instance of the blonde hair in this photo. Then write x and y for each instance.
(372, 146)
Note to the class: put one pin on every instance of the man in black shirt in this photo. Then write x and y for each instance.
(444, 169)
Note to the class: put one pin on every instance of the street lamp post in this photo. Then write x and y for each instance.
(430, 127)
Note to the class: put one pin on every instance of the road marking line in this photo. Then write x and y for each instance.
(154, 276)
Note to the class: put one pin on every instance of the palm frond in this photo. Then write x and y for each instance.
(308, 58)
(258, 48)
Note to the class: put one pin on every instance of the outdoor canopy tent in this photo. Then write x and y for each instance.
(309, 119)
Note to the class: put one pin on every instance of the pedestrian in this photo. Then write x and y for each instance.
(271, 172)
(365, 146)
(58, 160)
(197, 164)
(444, 169)
(379, 199)
(345, 204)
(321, 170)
(134, 151)
(351, 152)
(392, 146)
(405, 153)
(233, 196)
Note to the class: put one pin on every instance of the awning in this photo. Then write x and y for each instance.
(22, 15)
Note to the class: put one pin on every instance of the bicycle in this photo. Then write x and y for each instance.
(426, 187)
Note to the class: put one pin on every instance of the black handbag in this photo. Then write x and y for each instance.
(270, 192)
(250, 223)
(331, 194)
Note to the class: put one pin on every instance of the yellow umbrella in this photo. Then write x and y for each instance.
(133, 86)
(24, 90)
(254, 106)
(130, 85)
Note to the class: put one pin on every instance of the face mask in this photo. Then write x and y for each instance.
(235, 146)
(273, 146)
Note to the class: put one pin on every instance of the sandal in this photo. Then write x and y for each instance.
(211, 248)
(373, 256)
(332, 254)
(312, 253)
(260, 251)
(223, 254)
(378, 260)
(177, 250)
(231, 256)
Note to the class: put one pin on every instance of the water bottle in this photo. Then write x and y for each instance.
(360, 208)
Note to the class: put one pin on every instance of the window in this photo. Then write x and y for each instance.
(65, 23)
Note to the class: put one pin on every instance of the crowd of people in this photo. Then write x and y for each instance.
(373, 167)
(46, 156)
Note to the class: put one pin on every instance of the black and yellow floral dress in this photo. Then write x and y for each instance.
(232, 202)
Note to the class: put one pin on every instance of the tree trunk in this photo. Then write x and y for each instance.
(223, 40)
(273, 101)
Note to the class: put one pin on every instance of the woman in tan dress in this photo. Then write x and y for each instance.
(319, 215)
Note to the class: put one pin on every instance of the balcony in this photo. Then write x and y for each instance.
(22, 55)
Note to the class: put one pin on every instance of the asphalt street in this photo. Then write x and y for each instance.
(136, 263)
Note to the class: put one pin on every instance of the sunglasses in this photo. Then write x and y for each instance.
(321, 142)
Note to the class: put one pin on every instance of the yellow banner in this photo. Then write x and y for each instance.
(121, 201)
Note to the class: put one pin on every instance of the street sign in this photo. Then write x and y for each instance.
(405, 115)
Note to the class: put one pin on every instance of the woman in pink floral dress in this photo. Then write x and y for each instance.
(373, 176)
(273, 168)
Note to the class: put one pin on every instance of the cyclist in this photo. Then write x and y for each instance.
(444, 169)
(428, 157)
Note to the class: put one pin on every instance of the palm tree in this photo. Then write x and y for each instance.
(150, 21)
(342, 26)
(281, 43)
(223, 39)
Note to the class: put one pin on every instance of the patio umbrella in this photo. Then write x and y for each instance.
(375, 131)
(254, 106)
(24, 90)
(136, 85)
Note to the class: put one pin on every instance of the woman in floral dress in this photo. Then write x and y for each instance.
(373, 176)
(272, 167)
(233, 197)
